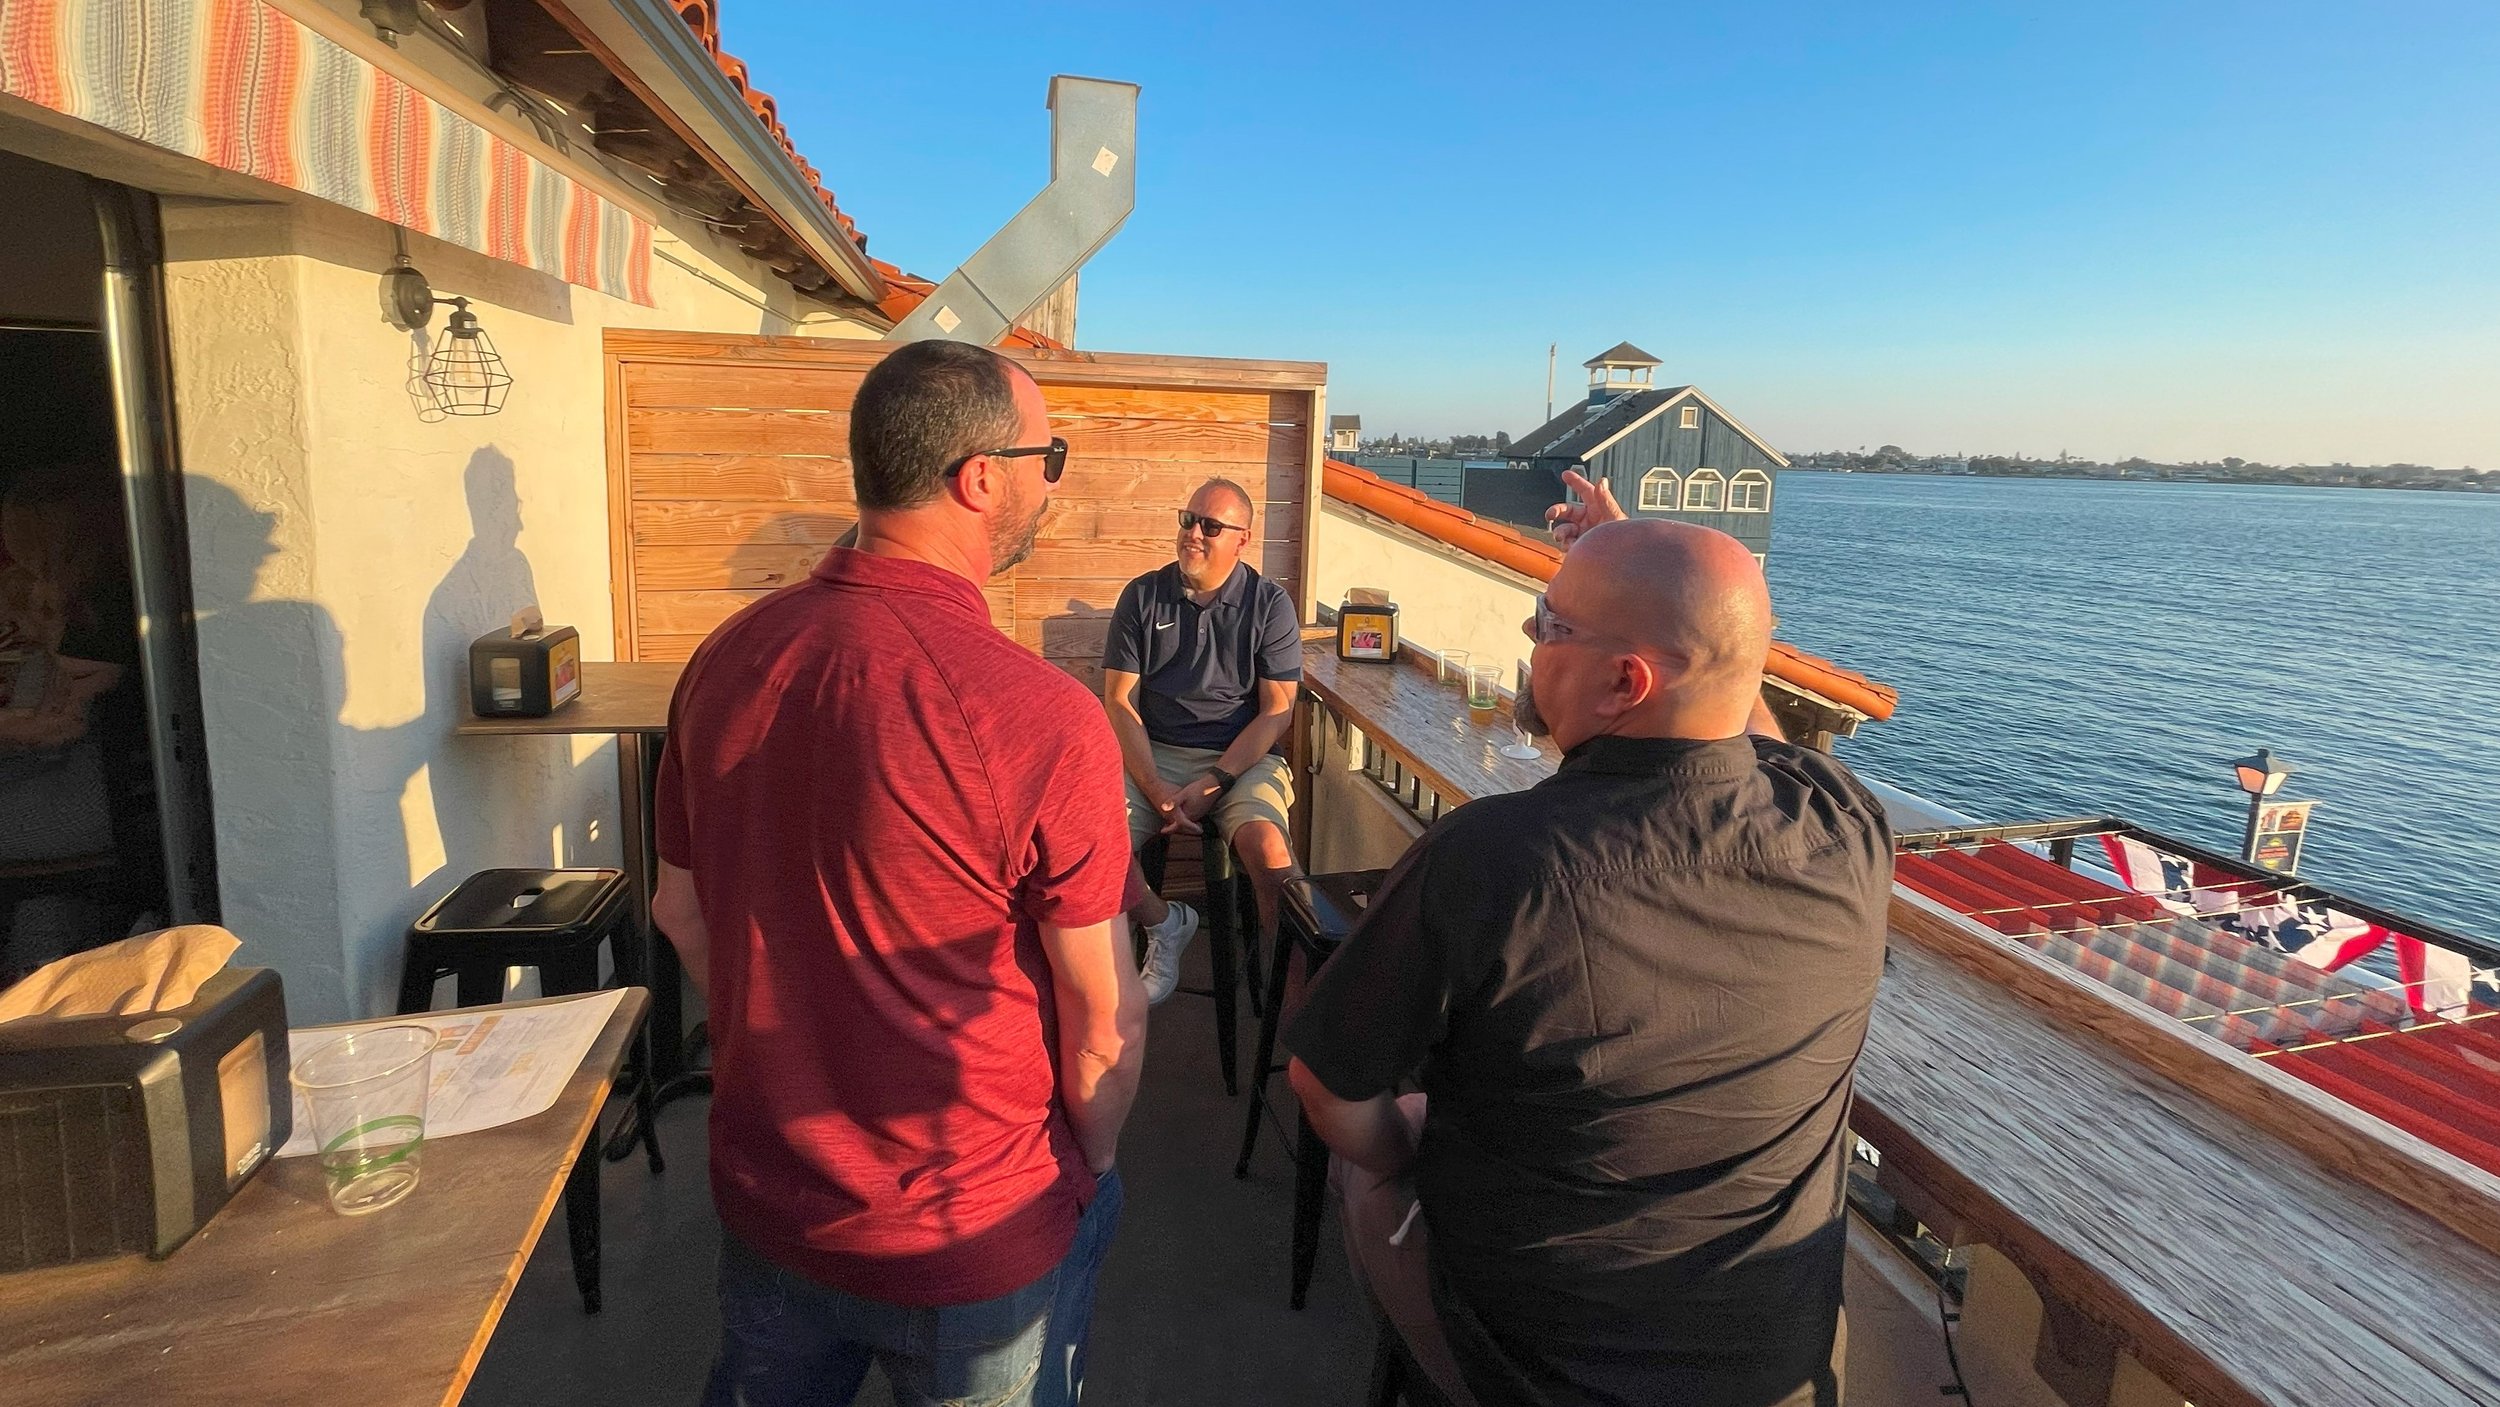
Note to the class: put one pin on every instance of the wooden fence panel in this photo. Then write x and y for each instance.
(729, 476)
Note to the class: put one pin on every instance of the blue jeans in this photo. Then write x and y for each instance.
(787, 1341)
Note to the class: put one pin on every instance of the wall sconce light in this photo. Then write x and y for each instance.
(467, 375)
(464, 374)
(390, 18)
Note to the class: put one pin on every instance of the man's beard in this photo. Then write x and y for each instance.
(1523, 714)
(1207, 566)
(1013, 533)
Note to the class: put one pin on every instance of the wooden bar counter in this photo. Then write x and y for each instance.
(2244, 1238)
(280, 1300)
(1422, 722)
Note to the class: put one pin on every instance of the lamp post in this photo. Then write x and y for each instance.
(2260, 776)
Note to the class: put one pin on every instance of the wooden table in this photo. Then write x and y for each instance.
(629, 698)
(629, 701)
(280, 1300)
(2247, 1239)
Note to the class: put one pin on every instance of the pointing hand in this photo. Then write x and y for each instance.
(1597, 505)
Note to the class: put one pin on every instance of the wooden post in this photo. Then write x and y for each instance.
(1315, 461)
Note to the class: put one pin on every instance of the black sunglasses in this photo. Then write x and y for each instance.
(1054, 458)
(1212, 529)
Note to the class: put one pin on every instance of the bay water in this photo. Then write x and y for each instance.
(2078, 647)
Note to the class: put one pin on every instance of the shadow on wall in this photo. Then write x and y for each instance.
(477, 782)
(1073, 640)
(322, 825)
(269, 678)
(421, 398)
(496, 802)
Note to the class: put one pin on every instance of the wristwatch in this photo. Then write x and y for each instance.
(1223, 780)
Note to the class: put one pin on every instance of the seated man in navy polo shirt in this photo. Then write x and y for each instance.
(1199, 675)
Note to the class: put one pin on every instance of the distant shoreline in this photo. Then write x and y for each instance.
(2284, 481)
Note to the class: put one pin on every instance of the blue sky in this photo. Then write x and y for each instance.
(2176, 230)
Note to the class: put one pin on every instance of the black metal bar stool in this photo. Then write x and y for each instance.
(1317, 914)
(553, 920)
(1231, 919)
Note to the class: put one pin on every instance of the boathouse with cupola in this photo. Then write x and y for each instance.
(1664, 451)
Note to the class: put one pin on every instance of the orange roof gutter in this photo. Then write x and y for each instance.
(1506, 546)
(668, 54)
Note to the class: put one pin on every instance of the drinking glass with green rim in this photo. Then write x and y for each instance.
(365, 1092)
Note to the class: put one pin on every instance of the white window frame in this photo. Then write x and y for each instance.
(1671, 481)
(1712, 480)
(1691, 419)
(1745, 479)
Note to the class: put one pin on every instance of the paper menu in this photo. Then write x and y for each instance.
(496, 1064)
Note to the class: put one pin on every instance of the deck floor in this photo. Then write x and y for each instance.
(1192, 1307)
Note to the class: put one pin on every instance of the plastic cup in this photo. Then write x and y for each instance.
(1484, 693)
(366, 1094)
(1454, 667)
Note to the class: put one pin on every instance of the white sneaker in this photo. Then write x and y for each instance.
(1165, 942)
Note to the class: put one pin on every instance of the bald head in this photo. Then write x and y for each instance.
(1693, 596)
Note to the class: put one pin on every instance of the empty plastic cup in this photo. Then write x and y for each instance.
(366, 1094)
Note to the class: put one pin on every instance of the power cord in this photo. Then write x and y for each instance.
(1946, 1319)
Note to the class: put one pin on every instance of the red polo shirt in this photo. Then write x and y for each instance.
(880, 797)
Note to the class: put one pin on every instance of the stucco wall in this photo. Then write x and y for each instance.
(348, 543)
(268, 662)
(1446, 599)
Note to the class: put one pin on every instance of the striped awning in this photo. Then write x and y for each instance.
(240, 85)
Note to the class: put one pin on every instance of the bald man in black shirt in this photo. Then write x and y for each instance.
(1632, 997)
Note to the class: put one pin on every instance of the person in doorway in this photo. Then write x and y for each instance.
(1633, 996)
(1199, 674)
(892, 858)
(59, 650)
(68, 727)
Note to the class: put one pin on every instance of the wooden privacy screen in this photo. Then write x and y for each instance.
(729, 475)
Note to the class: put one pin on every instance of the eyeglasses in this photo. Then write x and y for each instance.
(1211, 529)
(1054, 461)
(1548, 628)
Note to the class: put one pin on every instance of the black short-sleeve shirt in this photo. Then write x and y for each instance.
(1198, 667)
(1634, 994)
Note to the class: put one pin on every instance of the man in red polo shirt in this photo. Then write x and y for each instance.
(892, 854)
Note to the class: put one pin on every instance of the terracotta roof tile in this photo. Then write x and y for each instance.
(1506, 546)
(703, 17)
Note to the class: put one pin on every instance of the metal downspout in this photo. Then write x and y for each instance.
(160, 557)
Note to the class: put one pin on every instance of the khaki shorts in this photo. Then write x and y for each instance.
(1264, 793)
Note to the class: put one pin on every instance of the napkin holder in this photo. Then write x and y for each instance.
(1367, 625)
(527, 671)
(132, 1131)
